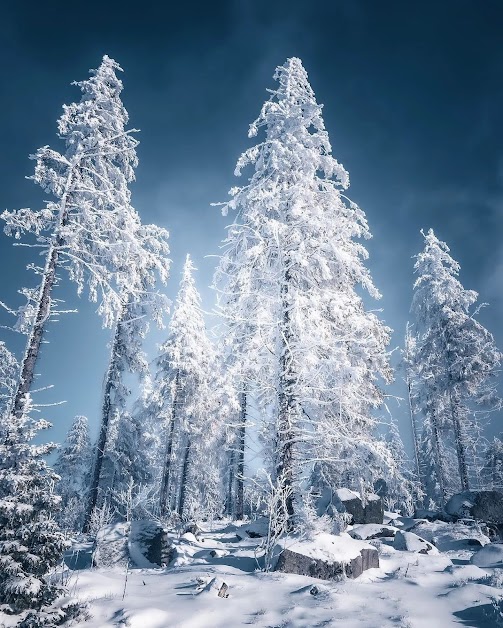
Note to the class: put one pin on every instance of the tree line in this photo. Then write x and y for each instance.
(298, 358)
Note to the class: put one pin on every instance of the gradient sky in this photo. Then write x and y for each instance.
(413, 96)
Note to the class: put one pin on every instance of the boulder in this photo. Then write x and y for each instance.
(351, 503)
(410, 542)
(489, 556)
(483, 505)
(148, 539)
(328, 557)
(374, 509)
(368, 531)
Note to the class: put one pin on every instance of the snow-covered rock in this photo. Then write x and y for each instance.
(410, 542)
(351, 502)
(254, 529)
(484, 505)
(374, 509)
(451, 536)
(489, 556)
(328, 557)
(149, 545)
(368, 531)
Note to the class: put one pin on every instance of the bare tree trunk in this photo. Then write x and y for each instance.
(460, 445)
(439, 461)
(229, 505)
(183, 479)
(164, 502)
(287, 409)
(241, 458)
(106, 414)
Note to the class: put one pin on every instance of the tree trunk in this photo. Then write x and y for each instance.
(439, 461)
(241, 459)
(460, 445)
(183, 479)
(287, 409)
(43, 309)
(229, 505)
(164, 502)
(106, 415)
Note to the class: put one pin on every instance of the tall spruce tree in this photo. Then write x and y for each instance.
(289, 277)
(90, 229)
(114, 456)
(455, 364)
(73, 466)
(188, 403)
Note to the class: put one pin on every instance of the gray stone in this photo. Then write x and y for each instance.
(374, 510)
(351, 503)
(410, 542)
(292, 562)
(368, 531)
(152, 541)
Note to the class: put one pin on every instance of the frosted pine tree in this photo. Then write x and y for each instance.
(31, 543)
(187, 402)
(455, 366)
(127, 358)
(290, 276)
(73, 466)
(90, 229)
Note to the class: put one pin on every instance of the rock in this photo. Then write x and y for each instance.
(374, 509)
(452, 536)
(431, 515)
(351, 503)
(254, 530)
(328, 557)
(151, 540)
(368, 531)
(292, 562)
(483, 505)
(410, 542)
(489, 556)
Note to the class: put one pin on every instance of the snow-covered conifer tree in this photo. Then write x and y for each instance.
(127, 357)
(73, 466)
(187, 401)
(455, 363)
(31, 543)
(290, 276)
(90, 229)
(9, 369)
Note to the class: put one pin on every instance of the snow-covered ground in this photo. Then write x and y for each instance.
(408, 590)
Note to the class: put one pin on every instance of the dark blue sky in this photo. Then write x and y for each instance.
(413, 95)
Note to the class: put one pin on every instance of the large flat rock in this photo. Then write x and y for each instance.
(328, 557)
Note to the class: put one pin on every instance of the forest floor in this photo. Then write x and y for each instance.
(407, 590)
